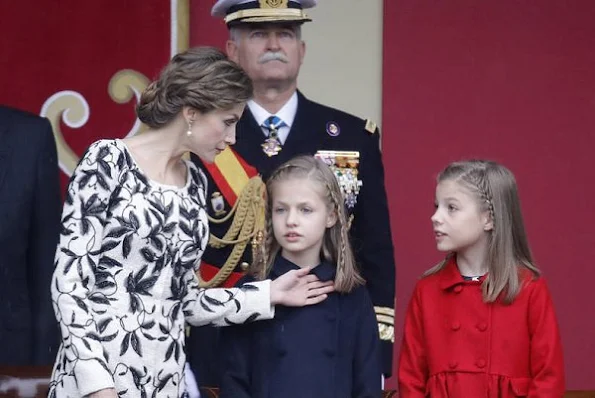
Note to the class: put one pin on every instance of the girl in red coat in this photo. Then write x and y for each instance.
(481, 323)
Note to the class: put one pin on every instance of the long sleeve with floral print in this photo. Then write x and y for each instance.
(124, 283)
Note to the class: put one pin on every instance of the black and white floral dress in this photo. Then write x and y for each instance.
(125, 283)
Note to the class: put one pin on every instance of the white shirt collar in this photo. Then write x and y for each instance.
(286, 113)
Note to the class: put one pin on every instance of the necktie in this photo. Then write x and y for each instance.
(271, 145)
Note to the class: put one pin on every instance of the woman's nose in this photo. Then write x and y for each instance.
(231, 138)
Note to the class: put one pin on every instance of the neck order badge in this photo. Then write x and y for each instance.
(271, 145)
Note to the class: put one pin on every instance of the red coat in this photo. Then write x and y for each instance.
(457, 346)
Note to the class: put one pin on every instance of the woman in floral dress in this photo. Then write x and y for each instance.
(134, 229)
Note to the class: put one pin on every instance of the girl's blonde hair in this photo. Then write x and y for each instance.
(335, 247)
(495, 189)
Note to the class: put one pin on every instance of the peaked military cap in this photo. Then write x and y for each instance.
(262, 11)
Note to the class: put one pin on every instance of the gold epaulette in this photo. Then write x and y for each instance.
(385, 317)
(247, 226)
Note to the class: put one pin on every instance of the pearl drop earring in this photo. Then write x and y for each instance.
(189, 132)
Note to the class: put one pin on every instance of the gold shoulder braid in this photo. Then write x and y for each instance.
(385, 317)
(247, 225)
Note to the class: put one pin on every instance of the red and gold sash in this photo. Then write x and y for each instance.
(233, 176)
(231, 173)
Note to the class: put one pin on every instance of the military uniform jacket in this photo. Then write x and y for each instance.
(370, 229)
(325, 350)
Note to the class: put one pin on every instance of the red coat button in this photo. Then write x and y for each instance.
(458, 289)
(482, 326)
(455, 325)
(481, 363)
(453, 364)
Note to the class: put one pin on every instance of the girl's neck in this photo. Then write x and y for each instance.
(301, 259)
(472, 264)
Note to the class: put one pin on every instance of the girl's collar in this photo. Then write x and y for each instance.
(450, 275)
(323, 271)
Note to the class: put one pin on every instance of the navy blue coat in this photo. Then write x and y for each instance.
(331, 349)
(370, 231)
(30, 208)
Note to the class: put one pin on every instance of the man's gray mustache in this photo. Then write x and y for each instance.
(272, 56)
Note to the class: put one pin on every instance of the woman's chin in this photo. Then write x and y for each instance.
(207, 157)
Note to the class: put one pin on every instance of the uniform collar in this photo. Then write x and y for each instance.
(323, 271)
(286, 113)
(450, 275)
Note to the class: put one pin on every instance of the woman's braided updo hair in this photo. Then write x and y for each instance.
(202, 78)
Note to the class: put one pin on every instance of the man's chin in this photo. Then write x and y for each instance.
(277, 69)
(280, 78)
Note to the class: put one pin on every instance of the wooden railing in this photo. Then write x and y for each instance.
(213, 393)
(32, 382)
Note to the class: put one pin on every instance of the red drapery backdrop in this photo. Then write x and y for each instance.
(81, 64)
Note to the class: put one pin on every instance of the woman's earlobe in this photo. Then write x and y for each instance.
(189, 114)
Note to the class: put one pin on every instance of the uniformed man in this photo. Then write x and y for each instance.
(278, 124)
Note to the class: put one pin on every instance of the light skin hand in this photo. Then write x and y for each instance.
(296, 289)
(105, 393)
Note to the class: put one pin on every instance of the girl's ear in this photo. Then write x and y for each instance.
(331, 219)
(488, 223)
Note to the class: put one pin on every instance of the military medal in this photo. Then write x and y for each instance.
(271, 146)
(333, 129)
(217, 203)
(344, 165)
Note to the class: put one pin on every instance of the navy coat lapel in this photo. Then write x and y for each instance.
(249, 136)
(303, 135)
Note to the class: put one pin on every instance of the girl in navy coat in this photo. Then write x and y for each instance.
(327, 350)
